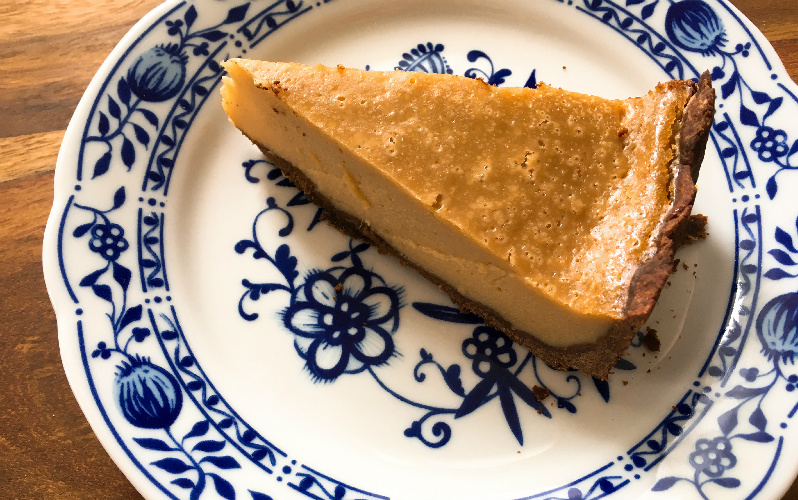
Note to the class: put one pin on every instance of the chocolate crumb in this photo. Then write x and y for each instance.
(695, 229)
(650, 340)
(625, 382)
(539, 392)
(685, 266)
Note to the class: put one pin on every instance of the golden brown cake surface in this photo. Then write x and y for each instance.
(535, 208)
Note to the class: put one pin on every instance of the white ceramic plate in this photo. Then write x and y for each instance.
(193, 284)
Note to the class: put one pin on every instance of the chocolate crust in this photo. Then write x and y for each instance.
(594, 359)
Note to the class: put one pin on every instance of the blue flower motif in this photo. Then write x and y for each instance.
(158, 74)
(148, 396)
(108, 240)
(694, 26)
(487, 348)
(343, 321)
(770, 144)
(713, 457)
(777, 327)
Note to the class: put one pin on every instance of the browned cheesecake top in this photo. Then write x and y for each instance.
(566, 189)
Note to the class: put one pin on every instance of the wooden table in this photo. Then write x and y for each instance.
(49, 50)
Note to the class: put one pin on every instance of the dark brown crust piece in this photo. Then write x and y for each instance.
(595, 359)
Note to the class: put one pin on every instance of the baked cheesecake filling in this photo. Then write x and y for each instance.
(538, 203)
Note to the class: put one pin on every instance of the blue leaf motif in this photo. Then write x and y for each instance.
(103, 126)
(131, 315)
(183, 482)
(236, 14)
(113, 108)
(102, 165)
(259, 496)
(123, 91)
(648, 10)
(153, 444)
(727, 88)
(727, 482)
(777, 274)
(785, 240)
(771, 187)
(172, 465)
(91, 278)
(665, 483)
(209, 446)
(223, 487)
(758, 419)
(759, 437)
(446, 313)
(603, 388)
(510, 413)
(128, 153)
(728, 421)
(772, 107)
(83, 229)
(760, 97)
(152, 118)
(199, 429)
(102, 291)
(122, 275)
(475, 398)
(741, 392)
(782, 257)
(190, 16)
(625, 364)
(339, 256)
(748, 117)
(213, 36)
(225, 462)
(119, 198)
(141, 135)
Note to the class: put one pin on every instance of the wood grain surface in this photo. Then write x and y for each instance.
(49, 50)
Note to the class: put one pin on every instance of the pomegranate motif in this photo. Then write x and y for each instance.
(149, 396)
(158, 74)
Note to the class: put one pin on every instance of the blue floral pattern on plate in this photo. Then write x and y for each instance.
(108, 259)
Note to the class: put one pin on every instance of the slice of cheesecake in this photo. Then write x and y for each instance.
(552, 215)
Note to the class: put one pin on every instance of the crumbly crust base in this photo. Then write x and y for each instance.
(676, 228)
